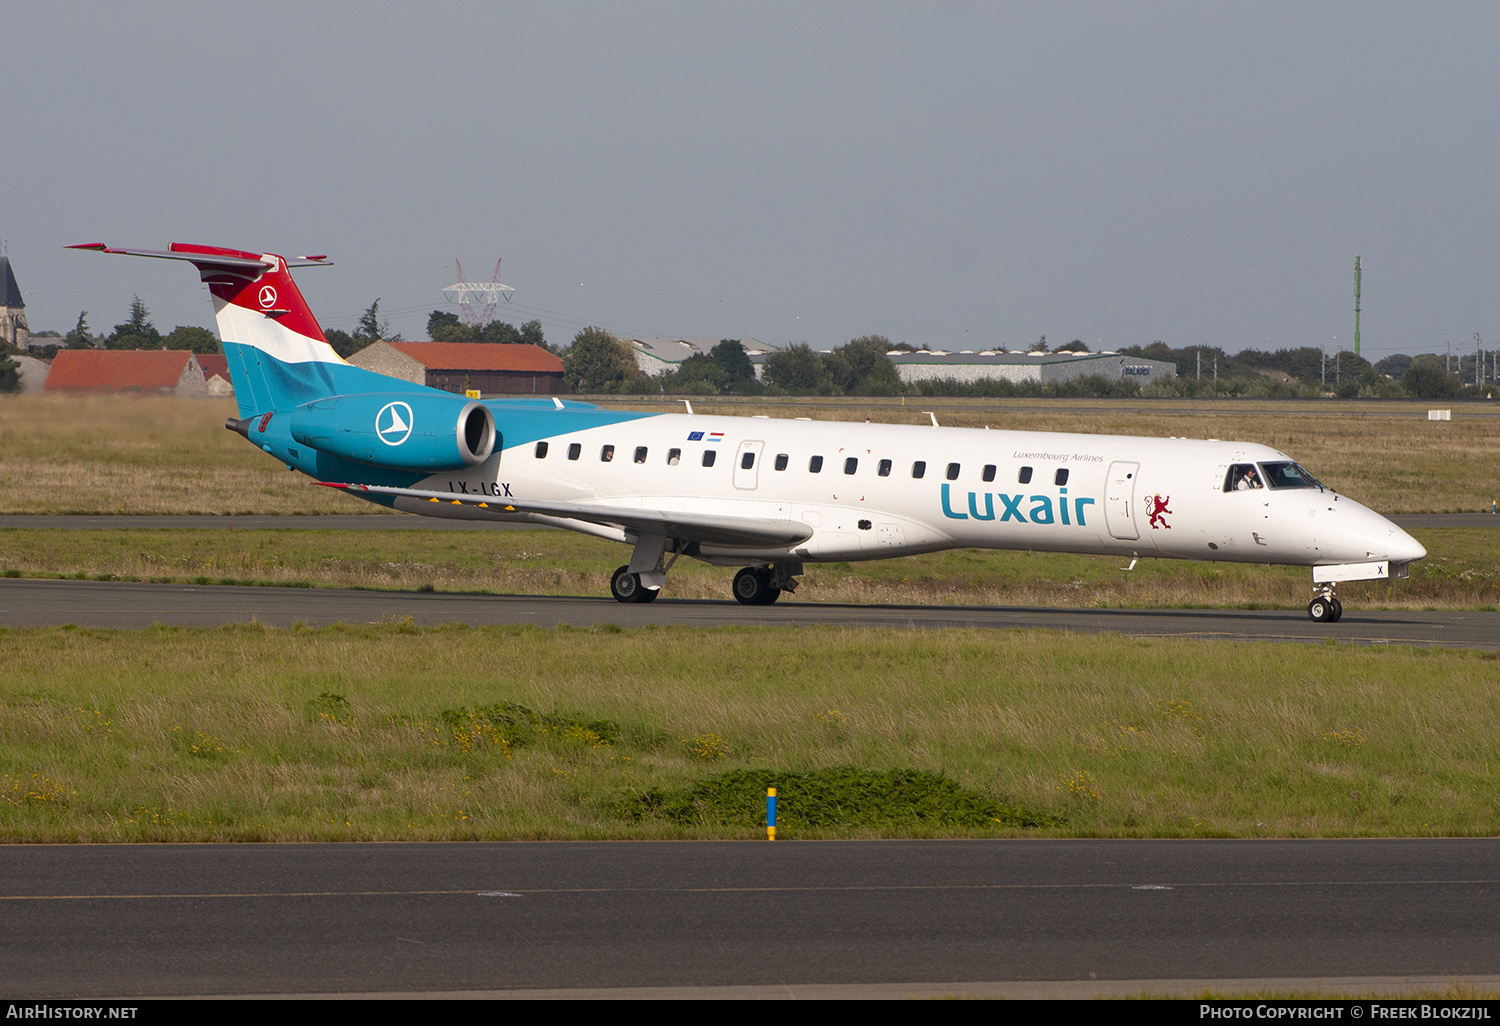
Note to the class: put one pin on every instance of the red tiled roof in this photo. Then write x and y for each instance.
(214, 363)
(95, 370)
(479, 356)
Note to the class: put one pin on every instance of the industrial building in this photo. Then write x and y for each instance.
(969, 367)
(490, 369)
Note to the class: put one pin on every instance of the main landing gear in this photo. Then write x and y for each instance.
(762, 585)
(642, 579)
(1325, 606)
(627, 587)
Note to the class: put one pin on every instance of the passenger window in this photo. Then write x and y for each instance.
(919, 468)
(606, 454)
(674, 457)
(574, 451)
(884, 470)
(1061, 477)
(865, 525)
(1242, 477)
(640, 454)
(541, 450)
(953, 472)
(989, 472)
(747, 461)
(781, 460)
(1025, 475)
(708, 457)
(815, 465)
(851, 465)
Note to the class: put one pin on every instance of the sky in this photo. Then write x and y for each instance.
(958, 174)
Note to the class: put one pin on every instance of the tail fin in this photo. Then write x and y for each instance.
(278, 356)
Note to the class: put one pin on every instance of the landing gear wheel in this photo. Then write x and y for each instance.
(649, 594)
(1321, 610)
(626, 587)
(1338, 610)
(752, 587)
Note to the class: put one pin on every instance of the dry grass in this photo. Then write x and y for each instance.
(253, 734)
(107, 454)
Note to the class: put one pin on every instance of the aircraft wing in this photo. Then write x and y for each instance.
(698, 527)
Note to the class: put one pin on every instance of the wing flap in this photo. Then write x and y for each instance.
(698, 527)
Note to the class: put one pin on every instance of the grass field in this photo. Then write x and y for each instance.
(393, 731)
(1461, 572)
(398, 732)
(106, 454)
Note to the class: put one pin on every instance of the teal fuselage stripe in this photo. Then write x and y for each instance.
(264, 384)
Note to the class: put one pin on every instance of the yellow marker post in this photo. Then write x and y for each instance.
(770, 813)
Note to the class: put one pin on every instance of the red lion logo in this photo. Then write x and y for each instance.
(1158, 505)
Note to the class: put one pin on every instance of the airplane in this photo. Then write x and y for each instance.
(766, 495)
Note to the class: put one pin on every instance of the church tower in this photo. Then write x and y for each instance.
(13, 327)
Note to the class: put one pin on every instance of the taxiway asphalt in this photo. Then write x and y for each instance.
(871, 917)
(114, 604)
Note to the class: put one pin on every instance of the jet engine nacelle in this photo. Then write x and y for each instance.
(400, 431)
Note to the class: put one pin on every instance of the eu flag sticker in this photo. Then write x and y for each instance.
(695, 436)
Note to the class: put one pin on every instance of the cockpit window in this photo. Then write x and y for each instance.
(1243, 477)
(1288, 475)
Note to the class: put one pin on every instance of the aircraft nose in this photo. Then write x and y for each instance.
(1403, 548)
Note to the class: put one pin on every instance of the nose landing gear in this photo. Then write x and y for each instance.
(1325, 606)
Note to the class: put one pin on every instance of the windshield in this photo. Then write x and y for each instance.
(1288, 475)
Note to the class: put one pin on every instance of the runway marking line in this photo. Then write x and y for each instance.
(755, 890)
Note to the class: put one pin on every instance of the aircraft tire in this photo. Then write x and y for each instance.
(1338, 610)
(752, 587)
(1320, 610)
(626, 586)
(649, 595)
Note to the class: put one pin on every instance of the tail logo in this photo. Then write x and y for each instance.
(267, 297)
(392, 428)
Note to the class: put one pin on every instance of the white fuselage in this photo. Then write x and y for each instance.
(1133, 496)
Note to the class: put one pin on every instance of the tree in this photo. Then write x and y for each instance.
(136, 333)
(861, 367)
(199, 340)
(598, 362)
(1426, 379)
(1075, 346)
(10, 375)
(697, 375)
(796, 370)
(531, 335)
(499, 333)
(444, 326)
(372, 328)
(1040, 345)
(1394, 366)
(731, 358)
(343, 343)
(79, 337)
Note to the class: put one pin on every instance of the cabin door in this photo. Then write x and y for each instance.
(747, 465)
(1119, 501)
